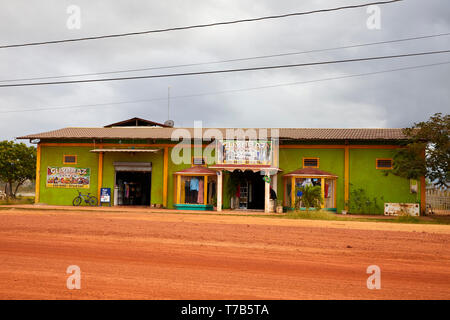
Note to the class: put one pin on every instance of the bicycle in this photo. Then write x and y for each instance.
(90, 200)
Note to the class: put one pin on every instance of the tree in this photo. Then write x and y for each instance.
(17, 164)
(311, 197)
(427, 152)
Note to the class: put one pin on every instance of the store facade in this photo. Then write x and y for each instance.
(139, 162)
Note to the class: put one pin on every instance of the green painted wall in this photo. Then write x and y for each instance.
(157, 171)
(330, 160)
(363, 174)
(53, 156)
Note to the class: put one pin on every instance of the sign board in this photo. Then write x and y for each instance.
(244, 152)
(105, 195)
(68, 177)
(401, 209)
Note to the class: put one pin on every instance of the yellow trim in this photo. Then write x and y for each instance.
(76, 144)
(100, 174)
(423, 191)
(70, 155)
(178, 189)
(307, 158)
(38, 173)
(335, 193)
(287, 146)
(205, 190)
(423, 196)
(293, 192)
(322, 186)
(346, 176)
(337, 146)
(312, 177)
(384, 168)
(165, 175)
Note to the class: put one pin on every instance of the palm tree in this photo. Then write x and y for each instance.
(311, 197)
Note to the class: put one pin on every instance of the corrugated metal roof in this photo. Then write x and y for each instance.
(166, 133)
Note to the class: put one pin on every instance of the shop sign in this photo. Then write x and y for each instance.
(105, 195)
(245, 152)
(68, 177)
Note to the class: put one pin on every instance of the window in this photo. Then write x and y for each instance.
(198, 161)
(384, 164)
(310, 162)
(70, 159)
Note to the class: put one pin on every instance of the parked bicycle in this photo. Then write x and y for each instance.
(88, 199)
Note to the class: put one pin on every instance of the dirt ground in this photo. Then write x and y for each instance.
(150, 255)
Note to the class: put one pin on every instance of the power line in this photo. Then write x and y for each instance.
(229, 91)
(226, 70)
(198, 25)
(230, 60)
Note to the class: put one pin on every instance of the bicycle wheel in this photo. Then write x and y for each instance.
(77, 201)
(93, 201)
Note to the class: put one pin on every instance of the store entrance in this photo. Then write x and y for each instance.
(134, 188)
(249, 188)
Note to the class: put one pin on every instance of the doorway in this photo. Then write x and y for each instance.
(134, 188)
(249, 188)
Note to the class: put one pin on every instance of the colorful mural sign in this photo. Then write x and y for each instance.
(68, 177)
(245, 152)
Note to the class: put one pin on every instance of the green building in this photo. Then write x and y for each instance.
(140, 162)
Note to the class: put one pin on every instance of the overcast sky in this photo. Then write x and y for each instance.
(384, 100)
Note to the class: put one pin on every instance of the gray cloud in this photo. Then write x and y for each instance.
(384, 100)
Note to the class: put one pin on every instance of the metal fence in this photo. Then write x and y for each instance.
(438, 202)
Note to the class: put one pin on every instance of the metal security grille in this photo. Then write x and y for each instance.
(438, 202)
(310, 162)
(384, 163)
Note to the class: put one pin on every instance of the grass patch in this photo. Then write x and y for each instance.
(408, 219)
(18, 200)
(315, 215)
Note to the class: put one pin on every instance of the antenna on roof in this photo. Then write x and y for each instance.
(168, 122)
(168, 102)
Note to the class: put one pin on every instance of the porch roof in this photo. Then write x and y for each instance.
(197, 170)
(310, 172)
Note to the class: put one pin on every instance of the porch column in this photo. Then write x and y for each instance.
(267, 195)
(38, 173)
(219, 190)
(322, 184)
(165, 175)
(205, 191)
(275, 183)
(100, 175)
(293, 192)
(178, 189)
(346, 178)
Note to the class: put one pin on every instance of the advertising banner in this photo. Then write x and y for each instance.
(68, 177)
(245, 152)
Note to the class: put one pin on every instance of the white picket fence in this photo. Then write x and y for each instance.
(438, 201)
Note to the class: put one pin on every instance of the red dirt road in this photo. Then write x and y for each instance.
(137, 255)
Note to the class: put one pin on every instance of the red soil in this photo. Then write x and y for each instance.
(137, 255)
